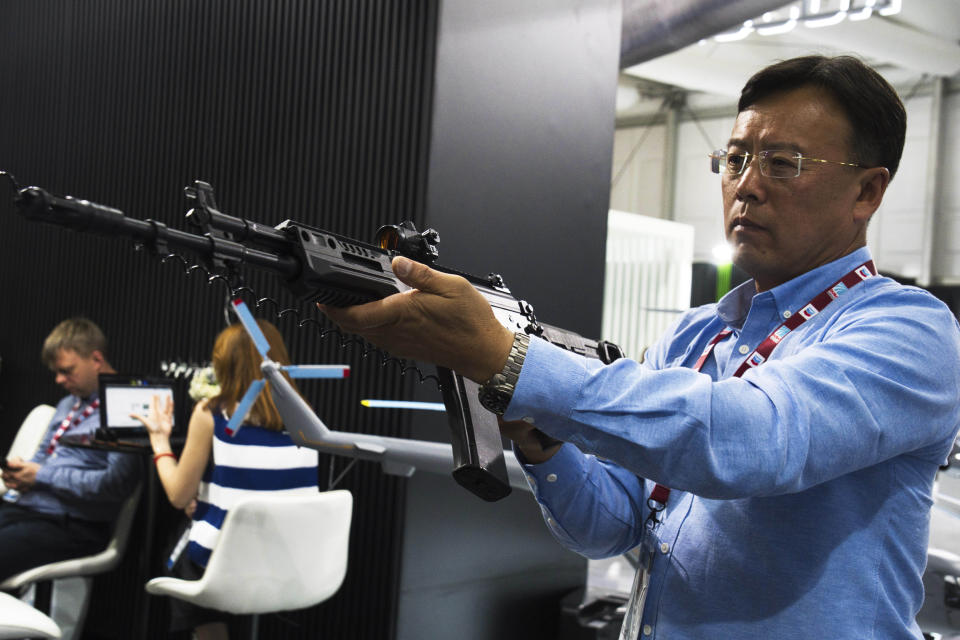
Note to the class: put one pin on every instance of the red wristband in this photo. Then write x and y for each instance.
(161, 455)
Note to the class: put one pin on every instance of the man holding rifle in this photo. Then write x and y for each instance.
(773, 458)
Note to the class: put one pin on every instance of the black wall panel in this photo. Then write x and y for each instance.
(520, 149)
(316, 111)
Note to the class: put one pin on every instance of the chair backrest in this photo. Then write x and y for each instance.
(277, 553)
(101, 562)
(30, 434)
(31, 431)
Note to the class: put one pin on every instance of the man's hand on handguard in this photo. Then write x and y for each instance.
(445, 321)
(442, 320)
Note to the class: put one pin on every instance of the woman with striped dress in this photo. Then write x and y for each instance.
(217, 469)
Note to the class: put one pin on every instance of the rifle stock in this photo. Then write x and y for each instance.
(321, 266)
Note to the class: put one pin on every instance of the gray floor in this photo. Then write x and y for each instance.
(944, 535)
(945, 518)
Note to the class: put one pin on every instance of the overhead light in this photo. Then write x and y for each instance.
(743, 32)
(892, 8)
(829, 19)
(722, 254)
(864, 13)
(813, 14)
(780, 27)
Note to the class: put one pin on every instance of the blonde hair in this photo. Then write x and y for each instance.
(76, 334)
(236, 363)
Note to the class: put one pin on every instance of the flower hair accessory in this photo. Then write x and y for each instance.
(204, 384)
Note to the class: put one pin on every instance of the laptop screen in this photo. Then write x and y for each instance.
(123, 394)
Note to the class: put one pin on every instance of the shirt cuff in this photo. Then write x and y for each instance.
(553, 481)
(563, 465)
(549, 386)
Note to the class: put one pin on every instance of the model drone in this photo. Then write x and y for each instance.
(397, 456)
(294, 371)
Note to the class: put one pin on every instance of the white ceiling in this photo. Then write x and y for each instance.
(920, 41)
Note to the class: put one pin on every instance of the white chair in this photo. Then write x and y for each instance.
(84, 567)
(30, 434)
(274, 553)
(20, 620)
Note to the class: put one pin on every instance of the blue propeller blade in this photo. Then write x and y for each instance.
(403, 404)
(318, 370)
(259, 340)
(244, 406)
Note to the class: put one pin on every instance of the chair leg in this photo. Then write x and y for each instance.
(254, 626)
(68, 607)
(42, 595)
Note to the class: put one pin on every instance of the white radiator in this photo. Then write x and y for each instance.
(647, 279)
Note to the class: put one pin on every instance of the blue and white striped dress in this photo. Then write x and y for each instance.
(253, 461)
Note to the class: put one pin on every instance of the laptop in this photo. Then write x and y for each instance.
(124, 394)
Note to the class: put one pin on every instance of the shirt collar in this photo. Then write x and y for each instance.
(88, 399)
(791, 295)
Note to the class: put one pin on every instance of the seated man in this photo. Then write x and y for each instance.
(64, 499)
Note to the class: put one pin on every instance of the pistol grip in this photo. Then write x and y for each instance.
(479, 464)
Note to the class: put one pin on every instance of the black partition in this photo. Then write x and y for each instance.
(330, 113)
(519, 182)
(316, 111)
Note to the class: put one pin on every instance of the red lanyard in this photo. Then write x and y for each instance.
(70, 421)
(660, 494)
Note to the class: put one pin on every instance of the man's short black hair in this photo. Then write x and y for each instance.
(875, 112)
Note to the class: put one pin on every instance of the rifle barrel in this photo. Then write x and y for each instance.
(82, 215)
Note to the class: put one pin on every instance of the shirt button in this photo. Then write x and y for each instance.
(551, 477)
(787, 314)
(551, 522)
(744, 349)
(664, 547)
(647, 629)
(528, 419)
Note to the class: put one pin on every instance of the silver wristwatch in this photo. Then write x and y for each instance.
(495, 393)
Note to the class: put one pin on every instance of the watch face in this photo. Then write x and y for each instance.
(494, 399)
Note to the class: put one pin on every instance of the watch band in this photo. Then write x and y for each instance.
(495, 393)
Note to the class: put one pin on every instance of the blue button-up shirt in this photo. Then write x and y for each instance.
(81, 482)
(801, 490)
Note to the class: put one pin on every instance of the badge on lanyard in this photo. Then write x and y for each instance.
(641, 581)
(641, 584)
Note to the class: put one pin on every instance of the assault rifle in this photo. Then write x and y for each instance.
(320, 266)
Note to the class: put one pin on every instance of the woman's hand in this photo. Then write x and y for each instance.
(159, 422)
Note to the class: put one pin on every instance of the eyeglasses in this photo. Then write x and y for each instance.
(773, 163)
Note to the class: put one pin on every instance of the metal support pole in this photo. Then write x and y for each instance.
(932, 187)
(670, 155)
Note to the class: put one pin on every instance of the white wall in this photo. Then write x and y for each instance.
(895, 234)
(948, 240)
(639, 187)
(897, 227)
